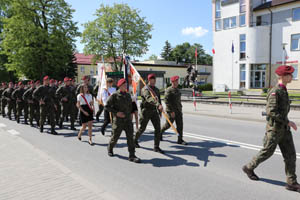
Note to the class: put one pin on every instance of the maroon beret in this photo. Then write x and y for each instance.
(284, 70)
(46, 78)
(151, 76)
(31, 82)
(52, 81)
(85, 78)
(121, 82)
(4, 84)
(66, 79)
(20, 83)
(174, 78)
(11, 83)
(59, 82)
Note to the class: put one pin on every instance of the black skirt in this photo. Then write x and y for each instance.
(83, 117)
(134, 107)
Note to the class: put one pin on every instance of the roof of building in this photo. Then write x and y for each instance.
(273, 3)
(83, 59)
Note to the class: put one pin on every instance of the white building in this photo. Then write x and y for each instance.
(252, 28)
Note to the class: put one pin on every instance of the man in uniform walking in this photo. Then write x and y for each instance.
(7, 94)
(18, 96)
(47, 104)
(150, 110)
(2, 99)
(278, 130)
(65, 96)
(119, 104)
(174, 109)
(32, 104)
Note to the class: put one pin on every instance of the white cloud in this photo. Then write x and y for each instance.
(195, 31)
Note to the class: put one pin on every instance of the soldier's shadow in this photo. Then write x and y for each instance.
(202, 151)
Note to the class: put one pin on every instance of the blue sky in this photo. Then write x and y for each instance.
(177, 21)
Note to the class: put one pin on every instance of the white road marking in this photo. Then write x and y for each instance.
(2, 125)
(228, 142)
(13, 132)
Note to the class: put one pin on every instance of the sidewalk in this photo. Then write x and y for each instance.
(238, 112)
(28, 174)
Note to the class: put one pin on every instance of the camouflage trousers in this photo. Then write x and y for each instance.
(145, 116)
(47, 110)
(3, 105)
(179, 124)
(68, 109)
(34, 112)
(118, 126)
(20, 107)
(11, 107)
(284, 139)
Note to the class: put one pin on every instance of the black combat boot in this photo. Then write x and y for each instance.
(136, 144)
(41, 129)
(110, 153)
(25, 121)
(18, 120)
(31, 123)
(293, 187)
(250, 173)
(134, 159)
(158, 150)
(181, 141)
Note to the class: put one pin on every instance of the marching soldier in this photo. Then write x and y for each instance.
(32, 104)
(47, 105)
(278, 130)
(150, 110)
(18, 96)
(66, 97)
(7, 94)
(119, 104)
(174, 109)
(2, 99)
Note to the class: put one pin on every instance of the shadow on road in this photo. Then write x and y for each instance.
(273, 182)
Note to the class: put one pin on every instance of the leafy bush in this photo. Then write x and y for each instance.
(205, 87)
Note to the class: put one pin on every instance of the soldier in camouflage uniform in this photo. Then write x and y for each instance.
(66, 95)
(32, 104)
(2, 99)
(18, 96)
(174, 109)
(150, 110)
(119, 104)
(278, 130)
(7, 94)
(47, 104)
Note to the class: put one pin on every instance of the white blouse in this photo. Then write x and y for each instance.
(88, 97)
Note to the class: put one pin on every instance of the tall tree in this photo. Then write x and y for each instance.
(39, 37)
(117, 30)
(153, 57)
(167, 51)
(185, 53)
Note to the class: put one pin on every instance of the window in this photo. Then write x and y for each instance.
(242, 6)
(218, 8)
(218, 25)
(295, 74)
(242, 46)
(295, 43)
(92, 71)
(229, 23)
(242, 20)
(243, 76)
(82, 69)
(296, 14)
(258, 21)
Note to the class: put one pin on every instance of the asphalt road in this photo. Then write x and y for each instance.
(208, 168)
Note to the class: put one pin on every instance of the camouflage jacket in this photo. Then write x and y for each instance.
(43, 93)
(120, 102)
(8, 94)
(1, 92)
(278, 107)
(66, 92)
(148, 102)
(173, 100)
(18, 94)
(27, 96)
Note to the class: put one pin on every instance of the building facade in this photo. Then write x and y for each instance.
(251, 39)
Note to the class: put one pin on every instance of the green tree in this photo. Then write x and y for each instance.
(167, 51)
(185, 53)
(38, 37)
(117, 30)
(153, 57)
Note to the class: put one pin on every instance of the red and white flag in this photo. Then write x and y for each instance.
(135, 77)
(101, 81)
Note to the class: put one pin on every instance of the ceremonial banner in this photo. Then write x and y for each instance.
(101, 81)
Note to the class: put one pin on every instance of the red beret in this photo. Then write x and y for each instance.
(37, 82)
(66, 79)
(11, 83)
(3, 84)
(284, 70)
(174, 78)
(121, 82)
(151, 76)
(85, 78)
(52, 81)
(46, 78)
(20, 83)
(59, 82)
(31, 82)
